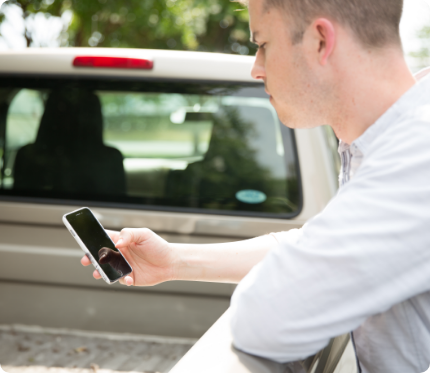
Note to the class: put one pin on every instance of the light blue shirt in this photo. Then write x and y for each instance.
(361, 265)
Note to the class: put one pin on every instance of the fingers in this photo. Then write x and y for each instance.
(127, 280)
(85, 261)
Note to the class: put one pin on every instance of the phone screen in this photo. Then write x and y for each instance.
(99, 244)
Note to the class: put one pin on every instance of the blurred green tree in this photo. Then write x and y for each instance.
(205, 25)
(422, 56)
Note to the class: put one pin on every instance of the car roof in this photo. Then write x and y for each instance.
(167, 64)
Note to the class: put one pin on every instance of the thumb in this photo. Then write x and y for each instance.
(129, 236)
(125, 238)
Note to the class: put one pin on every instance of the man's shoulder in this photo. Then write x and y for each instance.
(417, 115)
(402, 144)
(411, 127)
(413, 109)
(413, 124)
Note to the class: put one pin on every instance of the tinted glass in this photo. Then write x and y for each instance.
(99, 244)
(215, 148)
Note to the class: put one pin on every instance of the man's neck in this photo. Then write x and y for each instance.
(372, 88)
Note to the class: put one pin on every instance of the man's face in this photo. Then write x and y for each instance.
(285, 68)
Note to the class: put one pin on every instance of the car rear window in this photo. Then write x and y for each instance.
(161, 145)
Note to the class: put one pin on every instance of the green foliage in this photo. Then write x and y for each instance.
(423, 55)
(206, 25)
(231, 165)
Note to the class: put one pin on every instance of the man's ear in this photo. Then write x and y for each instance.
(324, 32)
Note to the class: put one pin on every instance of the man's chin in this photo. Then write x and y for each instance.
(287, 119)
(294, 121)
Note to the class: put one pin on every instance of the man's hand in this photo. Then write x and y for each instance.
(154, 260)
(151, 257)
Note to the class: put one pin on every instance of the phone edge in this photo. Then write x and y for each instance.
(84, 248)
(101, 225)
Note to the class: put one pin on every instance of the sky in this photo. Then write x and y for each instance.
(416, 15)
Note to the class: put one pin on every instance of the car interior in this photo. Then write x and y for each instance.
(148, 149)
(69, 154)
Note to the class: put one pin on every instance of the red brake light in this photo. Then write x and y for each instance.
(113, 62)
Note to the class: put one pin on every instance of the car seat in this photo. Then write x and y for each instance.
(228, 166)
(69, 156)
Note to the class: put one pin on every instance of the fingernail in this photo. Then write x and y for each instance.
(119, 242)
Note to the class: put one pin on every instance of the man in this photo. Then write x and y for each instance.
(363, 264)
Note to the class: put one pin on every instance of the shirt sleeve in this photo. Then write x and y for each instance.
(288, 237)
(367, 251)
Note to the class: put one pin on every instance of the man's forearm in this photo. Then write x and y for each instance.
(226, 262)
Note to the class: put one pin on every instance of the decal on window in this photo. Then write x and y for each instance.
(251, 196)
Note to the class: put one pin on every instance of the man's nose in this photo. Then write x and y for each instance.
(258, 71)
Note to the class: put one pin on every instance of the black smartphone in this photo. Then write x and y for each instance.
(93, 239)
